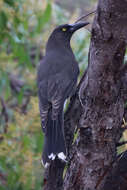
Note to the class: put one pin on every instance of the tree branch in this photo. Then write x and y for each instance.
(84, 16)
(103, 104)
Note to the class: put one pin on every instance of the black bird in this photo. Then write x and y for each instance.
(56, 79)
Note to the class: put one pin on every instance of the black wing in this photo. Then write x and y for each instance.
(52, 95)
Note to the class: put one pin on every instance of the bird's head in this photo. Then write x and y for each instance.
(63, 33)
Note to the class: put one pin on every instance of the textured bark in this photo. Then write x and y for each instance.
(93, 163)
(117, 179)
(102, 93)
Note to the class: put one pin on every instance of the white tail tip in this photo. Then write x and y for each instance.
(52, 156)
(45, 165)
(62, 156)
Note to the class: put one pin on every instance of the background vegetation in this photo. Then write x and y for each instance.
(24, 29)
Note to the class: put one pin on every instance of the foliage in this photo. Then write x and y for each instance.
(25, 27)
(20, 151)
(21, 140)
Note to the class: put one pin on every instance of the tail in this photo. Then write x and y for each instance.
(54, 142)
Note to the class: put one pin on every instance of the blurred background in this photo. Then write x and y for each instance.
(25, 26)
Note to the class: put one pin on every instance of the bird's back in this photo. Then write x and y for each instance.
(60, 63)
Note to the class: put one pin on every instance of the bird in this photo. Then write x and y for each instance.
(57, 76)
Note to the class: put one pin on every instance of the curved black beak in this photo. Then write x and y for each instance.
(77, 26)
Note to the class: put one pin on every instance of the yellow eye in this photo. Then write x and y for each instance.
(64, 29)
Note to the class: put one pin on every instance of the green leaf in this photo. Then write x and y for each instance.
(3, 164)
(39, 141)
(22, 53)
(3, 20)
(5, 89)
(44, 18)
(26, 143)
(2, 187)
(9, 2)
(20, 96)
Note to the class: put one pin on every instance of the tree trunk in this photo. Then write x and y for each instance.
(102, 96)
(98, 114)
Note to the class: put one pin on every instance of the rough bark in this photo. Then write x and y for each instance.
(103, 91)
(117, 179)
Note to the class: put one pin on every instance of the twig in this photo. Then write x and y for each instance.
(4, 112)
(121, 143)
(85, 16)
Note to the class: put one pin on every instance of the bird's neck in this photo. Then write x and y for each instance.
(59, 44)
